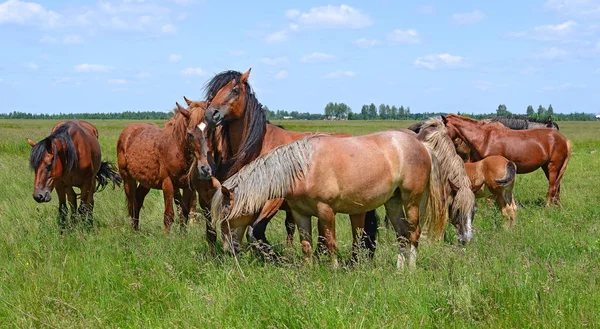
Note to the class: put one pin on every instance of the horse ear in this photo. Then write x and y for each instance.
(245, 76)
(183, 111)
(30, 142)
(189, 102)
(444, 120)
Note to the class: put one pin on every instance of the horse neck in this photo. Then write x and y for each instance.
(472, 135)
(236, 134)
(175, 132)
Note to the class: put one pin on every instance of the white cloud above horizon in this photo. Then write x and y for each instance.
(330, 16)
(317, 57)
(399, 36)
(440, 61)
(93, 68)
(193, 71)
(340, 74)
(468, 18)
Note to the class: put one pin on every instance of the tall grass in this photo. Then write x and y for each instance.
(544, 273)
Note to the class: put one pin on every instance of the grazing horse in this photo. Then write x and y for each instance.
(457, 186)
(70, 157)
(528, 149)
(160, 159)
(322, 175)
(246, 135)
(495, 176)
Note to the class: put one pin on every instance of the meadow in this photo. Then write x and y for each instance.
(543, 274)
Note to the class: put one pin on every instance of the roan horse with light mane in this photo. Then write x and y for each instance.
(528, 149)
(323, 175)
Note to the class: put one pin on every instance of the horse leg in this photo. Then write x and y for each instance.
(72, 199)
(358, 223)
(140, 196)
(168, 195)
(178, 203)
(130, 187)
(552, 170)
(370, 236)
(62, 207)
(504, 206)
(290, 227)
(407, 229)
(305, 229)
(86, 207)
(327, 220)
(321, 240)
(187, 200)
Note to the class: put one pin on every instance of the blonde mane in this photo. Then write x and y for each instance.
(270, 176)
(452, 169)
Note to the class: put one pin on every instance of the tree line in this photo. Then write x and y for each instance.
(332, 111)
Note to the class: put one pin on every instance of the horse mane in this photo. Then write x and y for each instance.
(255, 122)
(61, 134)
(434, 136)
(177, 124)
(268, 177)
(519, 122)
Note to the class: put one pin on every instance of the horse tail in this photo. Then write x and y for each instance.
(509, 174)
(434, 217)
(107, 173)
(565, 163)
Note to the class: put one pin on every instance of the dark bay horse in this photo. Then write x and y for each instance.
(322, 175)
(528, 149)
(161, 158)
(524, 122)
(70, 157)
(246, 135)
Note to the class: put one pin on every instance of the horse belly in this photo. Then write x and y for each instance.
(143, 165)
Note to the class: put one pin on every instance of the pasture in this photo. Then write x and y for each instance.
(544, 273)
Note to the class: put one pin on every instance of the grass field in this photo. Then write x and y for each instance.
(545, 273)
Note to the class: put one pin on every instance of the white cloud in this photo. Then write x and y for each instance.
(485, 85)
(93, 68)
(552, 54)
(117, 81)
(330, 16)
(28, 13)
(194, 71)
(425, 10)
(168, 28)
(278, 36)
(237, 53)
(564, 86)
(274, 61)
(404, 36)
(294, 27)
(366, 43)
(142, 75)
(32, 66)
(472, 17)
(292, 13)
(174, 58)
(580, 8)
(283, 74)
(71, 39)
(445, 60)
(340, 74)
(562, 31)
(317, 57)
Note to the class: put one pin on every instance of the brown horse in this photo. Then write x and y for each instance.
(70, 157)
(161, 159)
(495, 176)
(246, 135)
(322, 175)
(528, 149)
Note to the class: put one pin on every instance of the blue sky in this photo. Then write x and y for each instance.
(468, 56)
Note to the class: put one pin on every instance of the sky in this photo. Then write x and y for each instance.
(67, 56)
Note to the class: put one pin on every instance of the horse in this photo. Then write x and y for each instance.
(523, 122)
(161, 158)
(528, 149)
(495, 176)
(70, 157)
(247, 135)
(457, 186)
(322, 175)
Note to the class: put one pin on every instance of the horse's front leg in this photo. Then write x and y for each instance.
(358, 232)
(305, 229)
(187, 200)
(168, 195)
(86, 208)
(72, 199)
(62, 207)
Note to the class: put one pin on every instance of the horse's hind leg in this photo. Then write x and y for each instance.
(168, 195)
(72, 199)
(86, 208)
(505, 207)
(305, 229)
(188, 198)
(357, 222)
(140, 196)
(552, 171)
(62, 207)
(407, 229)
(290, 227)
(327, 223)
(130, 187)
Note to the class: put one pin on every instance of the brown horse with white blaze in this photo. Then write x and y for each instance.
(323, 175)
(70, 157)
(528, 149)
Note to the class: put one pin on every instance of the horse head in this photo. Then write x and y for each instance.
(228, 102)
(45, 161)
(197, 138)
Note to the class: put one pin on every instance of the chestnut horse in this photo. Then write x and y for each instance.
(160, 159)
(70, 157)
(246, 135)
(528, 149)
(322, 175)
(495, 176)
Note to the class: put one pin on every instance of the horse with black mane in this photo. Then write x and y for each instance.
(70, 157)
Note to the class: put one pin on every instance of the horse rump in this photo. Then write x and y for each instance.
(107, 173)
(509, 174)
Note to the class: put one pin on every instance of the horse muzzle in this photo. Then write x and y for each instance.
(204, 171)
(42, 196)
(213, 116)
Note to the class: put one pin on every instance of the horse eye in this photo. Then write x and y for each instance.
(236, 90)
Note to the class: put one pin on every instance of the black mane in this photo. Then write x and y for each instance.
(61, 134)
(524, 122)
(254, 117)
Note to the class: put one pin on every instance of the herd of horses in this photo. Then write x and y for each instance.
(222, 154)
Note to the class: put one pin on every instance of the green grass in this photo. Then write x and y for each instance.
(545, 273)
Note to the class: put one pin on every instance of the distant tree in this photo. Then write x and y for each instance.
(530, 111)
(364, 112)
(550, 111)
(383, 112)
(393, 112)
(501, 110)
(372, 112)
(541, 112)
